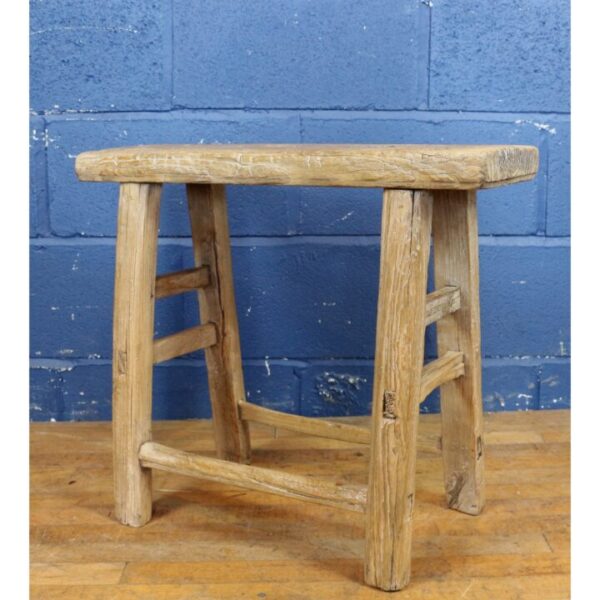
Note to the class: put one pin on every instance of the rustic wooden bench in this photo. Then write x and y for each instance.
(428, 189)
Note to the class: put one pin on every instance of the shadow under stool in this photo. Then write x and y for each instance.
(428, 190)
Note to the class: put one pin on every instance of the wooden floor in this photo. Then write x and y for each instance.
(215, 541)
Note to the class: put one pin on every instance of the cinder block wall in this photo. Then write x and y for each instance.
(306, 260)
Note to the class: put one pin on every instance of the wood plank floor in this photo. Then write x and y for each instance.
(214, 541)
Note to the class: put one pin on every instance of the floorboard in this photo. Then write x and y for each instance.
(208, 540)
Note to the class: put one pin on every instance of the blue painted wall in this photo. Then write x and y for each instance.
(123, 72)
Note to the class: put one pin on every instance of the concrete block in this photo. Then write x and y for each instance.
(509, 55)
(100, 55)
(336, 54)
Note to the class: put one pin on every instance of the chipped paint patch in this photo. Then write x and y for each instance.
(341, 389)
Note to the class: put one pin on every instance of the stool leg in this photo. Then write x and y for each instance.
(210, 233)
(133, 330)
(457, 263)
(405, 239)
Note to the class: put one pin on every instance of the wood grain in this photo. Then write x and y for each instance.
(456, 258)
(133, 327)
(440, 371)
(310, 426)
(440, 303)
(179, 282)
(360, 165)
(158, 456)
(207, 208)
(183, 342)
(399, 354)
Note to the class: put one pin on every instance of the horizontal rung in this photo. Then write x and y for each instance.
(440, 303)
(317, 427)
(157, 456)
(440, 371)
(179, 282)
(184, 342)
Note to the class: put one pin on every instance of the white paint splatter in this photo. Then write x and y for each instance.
(541, 126)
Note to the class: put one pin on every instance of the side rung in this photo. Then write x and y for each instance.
(440, 303)
(440, 371)
(310, 426)
(157, 456)
(179, 282)
(184, 342)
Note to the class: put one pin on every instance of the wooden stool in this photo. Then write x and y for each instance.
(426, 189)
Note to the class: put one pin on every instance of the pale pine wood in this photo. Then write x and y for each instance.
(210, 234)
(158, 456)
(133, 326)
(189, 340)
(179, 282)
(440, 303)
(456, 261)
(399, 353)
(214, 541)
(440, 371)
(360, 165)
(327, 429)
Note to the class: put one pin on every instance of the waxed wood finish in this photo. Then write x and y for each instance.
(210, 234)
(399, 353)
(359, 165)
(133, 327)
(214, 541)
(158, 456)
(456, 258)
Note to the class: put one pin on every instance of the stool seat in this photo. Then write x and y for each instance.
(424, 166)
